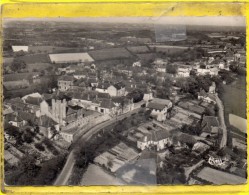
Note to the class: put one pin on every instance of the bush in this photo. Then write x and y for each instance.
(28, 138)
(39, 146)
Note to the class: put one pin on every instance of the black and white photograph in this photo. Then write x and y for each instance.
(124, 101)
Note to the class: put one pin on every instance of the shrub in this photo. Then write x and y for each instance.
(39, 146)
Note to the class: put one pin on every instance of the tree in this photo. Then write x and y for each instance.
(171, 69)
(40, 147)
(18, 65)
(110, 163)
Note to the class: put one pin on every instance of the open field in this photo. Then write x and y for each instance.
(38, 66)
(95, 175)
(48, 49)
(219, 177)
(170, 49)
(107, 54)
(17, 76)
(147, 56)
(35, 58)
(138, 49)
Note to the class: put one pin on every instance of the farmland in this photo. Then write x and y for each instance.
(112, 53)
(138, 49)
(36, 58)
(219, 177)
(36, 67)
(168, 48)
(48, 49)
(17, 76)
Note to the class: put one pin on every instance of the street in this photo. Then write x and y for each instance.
(68, 167)
(223, 142)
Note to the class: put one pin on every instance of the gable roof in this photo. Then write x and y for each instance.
(45, 121)
(70, 57)
(107, 103)
(155, 136)
(208, 122)
(33, 100)
(119, 85)
(158, 104)
(66, 78)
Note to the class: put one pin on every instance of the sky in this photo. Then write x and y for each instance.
(182, 20)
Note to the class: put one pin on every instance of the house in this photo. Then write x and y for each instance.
(159, 108)
(68, 135)
(212, 71)
(210, 126)
(47, 125)
(17, 48)
(207, 97)
(212, 88)
(123, 104)
(127, 70)
(102, 87)
(118, 89)
(65, 82)
(137, 64)
(161, 68)
(157, 138)
(200, 148)
(79, 75)
(16, 120)
(93, 81)
(148, 95)
(160, 62)
(183, 72)
(106, 106)
(61, 112)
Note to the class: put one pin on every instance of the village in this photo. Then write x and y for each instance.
(151, 113)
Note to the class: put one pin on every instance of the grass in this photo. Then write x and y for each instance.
(38, 66)
(35, 58)
(234, 98)
(112, 53)
(221, 177)
(169, 49)
(138, 49)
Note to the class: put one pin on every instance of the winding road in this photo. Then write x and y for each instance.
(63, 177)
(223, 142)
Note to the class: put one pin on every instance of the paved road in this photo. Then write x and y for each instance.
(68, 167)
(223, 142)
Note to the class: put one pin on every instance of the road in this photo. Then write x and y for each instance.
(223, 142)
(68, 167)
(189, 170)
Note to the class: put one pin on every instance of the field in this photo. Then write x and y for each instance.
(48, 49)
(138, 49)
(38, 66)
(168, 48)
(17, 76)
(8, 61)
(35, 58)
(97, 176)
(147, 56)
(112, 53)
(219, 177)
(234, 100)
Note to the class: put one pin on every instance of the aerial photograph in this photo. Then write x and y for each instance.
(124, 101)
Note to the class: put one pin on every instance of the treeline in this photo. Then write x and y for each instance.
(29, 173)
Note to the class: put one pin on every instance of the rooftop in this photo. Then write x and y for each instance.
(70, 57)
